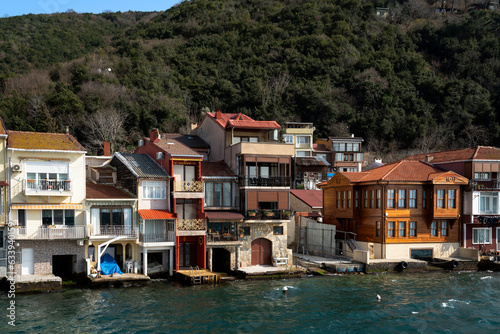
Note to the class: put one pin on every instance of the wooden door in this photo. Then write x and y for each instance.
(187, 254)
(262, 252)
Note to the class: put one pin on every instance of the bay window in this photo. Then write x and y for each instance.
(218, 194)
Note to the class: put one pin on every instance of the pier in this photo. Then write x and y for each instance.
(196, 276)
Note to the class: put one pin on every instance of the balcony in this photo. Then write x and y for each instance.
(157, 237)
(493, 184)
(224, 237)
(114, 230)
(272, 181)
(191, 225)
(267, 215)
(47, 187)
(269, 148)
(188, 186)
(50, 233)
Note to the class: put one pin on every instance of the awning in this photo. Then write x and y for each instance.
(62, 206)
(223, 215)
(156, 214)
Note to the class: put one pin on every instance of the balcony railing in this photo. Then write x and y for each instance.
(493, 184)
(50, 233)
(191, 224)
(157, 237)
(218, 237)
(112, 230)
(267, 214)
(53, 186)
(272, 181)
(188, 186)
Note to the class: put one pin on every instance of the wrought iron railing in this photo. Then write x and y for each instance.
(493, 184)
(48, 185)
(272, 181)
(218, 237)
(188, 186)
(157, 237)
(191, 224)
(267, 214)
(109, 230)
(50, 232)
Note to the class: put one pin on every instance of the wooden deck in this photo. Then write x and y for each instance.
(117, 280)
(198, 276)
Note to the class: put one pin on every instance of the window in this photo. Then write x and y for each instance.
(339, 147)
(440, 199)
(183, 173)
(482, 176)
(111, 216)
(186, 208)
(402, 229)
(302, 141)
(444, 228)
(372, 198)
(356, 199)
(452, 203)
(343, 199)
(424, 198)
(481, 235)
(21, 217)
(338, 199)
(390, 198)
(413, 229)
(359, 157)
(47, 175)
(277, 230)
(303, 153)
(390, 229)
(245, 140)
(379, 195)
(246, 230)
(488, 202)
(349, 198)
(154, 189)
(413, 198)
(288, 139)
(366, 199)
(401, 198)
(377, 229)
(218, 194)
(339, 156)
(58, 217)
(434, 229)
(348, 157)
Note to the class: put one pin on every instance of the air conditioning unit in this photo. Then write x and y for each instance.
(17, 168)
(159, 156)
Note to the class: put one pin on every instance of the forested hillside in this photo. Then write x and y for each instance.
(415, 80)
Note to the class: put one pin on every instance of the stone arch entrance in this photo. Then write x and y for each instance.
(221, 260)
(262, 252)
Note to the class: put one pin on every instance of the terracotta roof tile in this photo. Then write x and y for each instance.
(218, 168)
(313, 198)
(479, 153)
(43, 141)
(191, 141)
(3, 129)
(106, 191)
(175, 147)
(310, 161)
(156, 214)
(242, 121)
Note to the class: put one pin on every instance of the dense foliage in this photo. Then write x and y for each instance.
(411, 81)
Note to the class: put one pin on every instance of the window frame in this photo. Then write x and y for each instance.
(412, 230)
(64, 217)
(391, 198)
(412, 198)
(444, 228)
(401, 229)
(434, 229)
(440, 201)
(401, 198)
(162, 185)
(391, 226)
(452, 199)
(474, 236)
(278, 230)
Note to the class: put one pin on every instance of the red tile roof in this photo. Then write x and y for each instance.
(3, 129)
(213, 215)
(173, 146)
(313, 198)
(478, 153)
(43, 141)
(106, 191)
(219, 168)
(242, 121)
(156, 214)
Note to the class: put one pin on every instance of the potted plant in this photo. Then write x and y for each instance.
(251, 213)
(269, 213)
(242, 232)
(286, 214)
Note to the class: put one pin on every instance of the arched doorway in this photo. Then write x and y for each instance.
(221, 260)
(262, 252)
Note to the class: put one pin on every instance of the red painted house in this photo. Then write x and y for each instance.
(184, 164)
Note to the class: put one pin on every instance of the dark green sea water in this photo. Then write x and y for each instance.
(411, 303)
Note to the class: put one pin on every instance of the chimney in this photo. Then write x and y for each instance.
(218, 114)
(429, 158)
(67, 130)
(379, 161)
(107, 148)
(154, 136)
(352, 135)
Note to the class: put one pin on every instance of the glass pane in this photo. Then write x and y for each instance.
(105, 217)
(209, 196)
(227, 194)
(117, 217)
(218, 194)
(47, 217)
(58, 217)
(69, 217)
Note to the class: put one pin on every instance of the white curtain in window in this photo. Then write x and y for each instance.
(127, 219)
(209, 195)
(227, 194)
(94, 219)
(190, 173)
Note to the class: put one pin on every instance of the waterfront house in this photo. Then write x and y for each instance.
(140, 175)
(300, 135)
(224, 220)
(184, 164)
(111, 221)
(406, 209)
(47, 179)
(344, 154)
(481, 207)
(263, 165)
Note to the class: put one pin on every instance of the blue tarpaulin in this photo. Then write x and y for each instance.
(109, 265)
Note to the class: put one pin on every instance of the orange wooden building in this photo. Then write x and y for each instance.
(407, 209)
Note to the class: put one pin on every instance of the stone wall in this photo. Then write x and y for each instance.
(43, 250)
(264, 230)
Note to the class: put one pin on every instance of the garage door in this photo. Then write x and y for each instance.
(261, 252)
